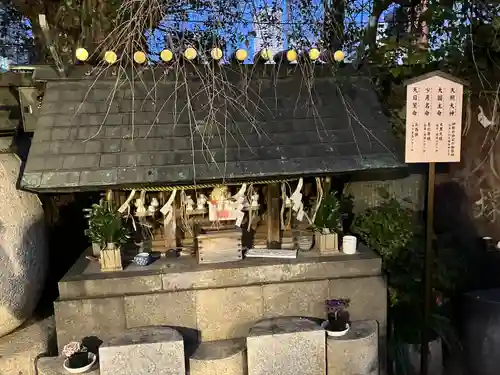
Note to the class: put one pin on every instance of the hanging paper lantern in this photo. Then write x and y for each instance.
(338, 56)
(166, 55)
(291, 55)
(190, 53)
(241, 55)
(81, 54)
(140, 57)
(216, 53)
(314, 54)
(266, 54)
(110, 57)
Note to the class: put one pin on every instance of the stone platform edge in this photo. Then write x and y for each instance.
(85, 280)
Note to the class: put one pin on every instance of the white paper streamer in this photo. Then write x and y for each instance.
(166, 210)
(126, 204)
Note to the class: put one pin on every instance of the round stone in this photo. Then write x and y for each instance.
(356, 352)
(225, 357)
(23, 250)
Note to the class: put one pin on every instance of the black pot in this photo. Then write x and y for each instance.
(79, 360)
(336, 323)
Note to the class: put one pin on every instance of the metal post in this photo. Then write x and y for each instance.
(429, 259)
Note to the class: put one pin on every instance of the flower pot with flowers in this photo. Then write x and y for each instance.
(106, 228)
(337, 323)
(78, 358)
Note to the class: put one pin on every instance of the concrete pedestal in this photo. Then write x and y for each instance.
(286, 346)
(143, 351)
(215, 302)
(356, 352)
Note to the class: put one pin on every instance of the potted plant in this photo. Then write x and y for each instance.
(78, 358)
(328, 224)
(337, 323)
(94, 236)
(106, 228)
(394, 232)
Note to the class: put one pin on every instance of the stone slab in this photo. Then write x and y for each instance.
(20, 350)
(286, 346)
(84, 279)
(224, 357)
(151, 350)
(54, 366)
(356, 352)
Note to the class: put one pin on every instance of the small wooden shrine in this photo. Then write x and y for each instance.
(209, 169)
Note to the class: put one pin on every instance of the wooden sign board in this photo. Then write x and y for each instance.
(433, 119)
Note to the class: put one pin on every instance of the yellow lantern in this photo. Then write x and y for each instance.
(81, 54)
(291, 55)
(216, 53)
(241, 55)
(190, 53)
(338, 56)
(266, 54)
(166, 55)
(314, 54)
(140, 57)
(110, 57)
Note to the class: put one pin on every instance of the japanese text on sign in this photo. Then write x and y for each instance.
(433, 120)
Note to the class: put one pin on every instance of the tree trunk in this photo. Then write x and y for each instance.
(334, 24)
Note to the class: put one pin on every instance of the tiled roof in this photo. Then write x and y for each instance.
(100, 134)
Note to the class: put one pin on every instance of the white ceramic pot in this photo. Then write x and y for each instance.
(96, 249)
(349, 244)
(81, 370)
(324, 325)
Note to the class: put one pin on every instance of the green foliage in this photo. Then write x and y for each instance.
(106, 225)
(393, 231)
(387, 229)
(329, 215)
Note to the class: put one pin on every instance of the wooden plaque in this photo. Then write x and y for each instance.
(433, 119)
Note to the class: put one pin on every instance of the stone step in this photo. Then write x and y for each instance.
(224, 357)
(20, 350)
(54, 366)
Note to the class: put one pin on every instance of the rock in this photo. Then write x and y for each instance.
(144, 351)
(20, 350)
(23, 253)
(356, 352)
(286, 346)
(223, 357)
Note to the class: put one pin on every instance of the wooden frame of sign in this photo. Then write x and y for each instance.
(434, 104)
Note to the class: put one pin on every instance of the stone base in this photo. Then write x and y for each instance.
(225, 357)
(286, 346)
(20, 350)
(143, 351)
(356, 352)
(213, 302)
(54, 366)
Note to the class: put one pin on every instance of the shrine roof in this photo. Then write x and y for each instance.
(175, 128)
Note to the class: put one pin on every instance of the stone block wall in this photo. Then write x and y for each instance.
(218, 313)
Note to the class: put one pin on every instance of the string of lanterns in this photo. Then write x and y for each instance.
(216, 53)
